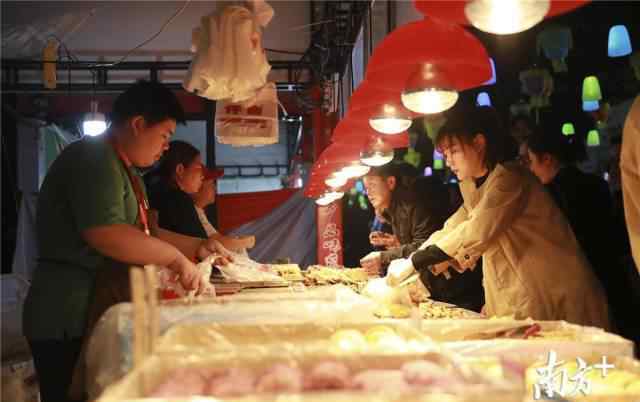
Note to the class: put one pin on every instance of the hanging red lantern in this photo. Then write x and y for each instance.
(352, 130)
(456, 54)
(382, 109)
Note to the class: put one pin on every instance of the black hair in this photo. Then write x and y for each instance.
(548, 138)
(179, 152)
(464, 122)
(404, 173)
(396, 170)
(151, 100)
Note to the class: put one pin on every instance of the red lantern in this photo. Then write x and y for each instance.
(455, 53)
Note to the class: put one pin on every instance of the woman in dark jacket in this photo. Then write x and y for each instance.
(181, 176)
(586, 202)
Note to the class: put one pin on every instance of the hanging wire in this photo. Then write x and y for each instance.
(162, 28)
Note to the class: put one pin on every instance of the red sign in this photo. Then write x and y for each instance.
(329, 220)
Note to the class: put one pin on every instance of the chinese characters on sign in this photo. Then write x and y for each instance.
(330, 234)
(555, 378)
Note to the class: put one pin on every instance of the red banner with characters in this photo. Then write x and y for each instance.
(330, 234)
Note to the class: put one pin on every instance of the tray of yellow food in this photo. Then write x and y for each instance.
(298, 338)
(319, 275)
(288, 272)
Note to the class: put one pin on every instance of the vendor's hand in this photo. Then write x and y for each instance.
(441, 267)
(248, 241)
(381, 239)
(372, 263)
(210, 246)
(188, 274)
(399, 270)
(240, 243)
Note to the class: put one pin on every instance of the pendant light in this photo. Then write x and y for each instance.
(593, 138)
(335, 181)
(483, 99)
(568, 129)
(428, 91)
(355, 169)
(378, 154)
(619, 42)
(94, 122)
(591, 89)
(590, 106)
(390, 120)
(504, 17)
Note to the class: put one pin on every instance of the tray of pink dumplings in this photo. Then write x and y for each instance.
(237, 375)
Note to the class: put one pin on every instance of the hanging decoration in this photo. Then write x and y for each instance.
(433, 123)
(619, 43)
(555, 42)
(590, 106)
(438, 160)
(413, 157)
(568, 129)
(538, 84)
(591, 89)
(593, 138)
(483, 99)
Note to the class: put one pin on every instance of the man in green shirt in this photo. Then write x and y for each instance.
(91, 216)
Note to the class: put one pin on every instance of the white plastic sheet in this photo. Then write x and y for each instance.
(109, 350)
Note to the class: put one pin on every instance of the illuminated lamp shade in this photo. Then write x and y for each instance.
(438, 164)
(590, 106)
(493, 78)
(619, 41)
(354, 170)
(591, 89)
(389, 120)
(428, 92)
(483, 99)
(376, 158)
(378, 153)
(504, 17)
(459, 56)
(94, 122)
(454, 11)
(335, 181)
(593, 138)
(568, 129)
(329, 197)
(428, 171)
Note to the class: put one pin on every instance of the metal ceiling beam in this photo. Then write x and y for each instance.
(11, 69)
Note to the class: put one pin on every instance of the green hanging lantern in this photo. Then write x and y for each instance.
(433, 124)
(568, 129)
(412, 157)
(593, 138)
(591, 89)
(438, 164)
(362, 202)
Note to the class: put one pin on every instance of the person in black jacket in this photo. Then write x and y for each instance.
(586, 202)
(181, 177)
(416, 208)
